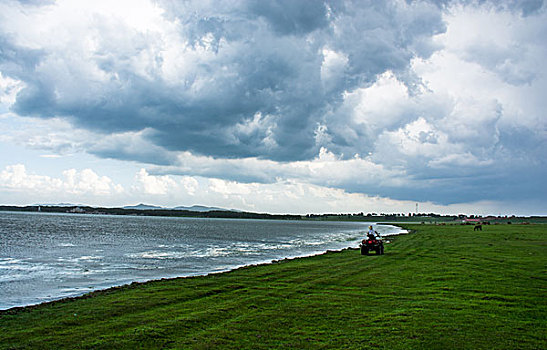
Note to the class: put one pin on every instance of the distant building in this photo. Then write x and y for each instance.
(472, 220)
(478, 220)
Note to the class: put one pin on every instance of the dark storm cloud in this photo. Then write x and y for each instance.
(291, 17)
(16, 61)
(267, 58)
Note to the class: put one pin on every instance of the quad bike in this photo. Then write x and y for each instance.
(369, 244)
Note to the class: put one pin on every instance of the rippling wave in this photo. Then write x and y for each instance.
(50, 256)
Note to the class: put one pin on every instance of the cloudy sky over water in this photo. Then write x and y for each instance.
(276, 106)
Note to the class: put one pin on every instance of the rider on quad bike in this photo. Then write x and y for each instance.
(372, 242)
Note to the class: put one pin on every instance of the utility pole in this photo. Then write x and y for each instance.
(416, 208)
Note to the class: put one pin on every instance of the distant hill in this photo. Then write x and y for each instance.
(196, 208)
(142, 206)
(58, 205)
(201, 208)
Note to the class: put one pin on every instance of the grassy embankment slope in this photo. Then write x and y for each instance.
(443, 287)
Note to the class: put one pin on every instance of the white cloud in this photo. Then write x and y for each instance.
(417, 139)
(53, 135)
(491, 55)
(333, 68)
(382, 105)
(15, 177)
(190, 184)
(87, 181)
(8, 90)
(72, 182)
(154, 184)
(259, 129)
(322, 137)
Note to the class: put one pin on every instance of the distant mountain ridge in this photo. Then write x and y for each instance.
(142, 206)
(57, 205)
(202, 208)
(198, 208)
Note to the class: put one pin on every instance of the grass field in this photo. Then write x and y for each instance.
(440, 287)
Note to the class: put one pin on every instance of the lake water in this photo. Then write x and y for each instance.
(45, 257)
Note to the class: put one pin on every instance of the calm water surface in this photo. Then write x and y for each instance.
(45, 257)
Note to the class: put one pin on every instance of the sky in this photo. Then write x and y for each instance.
(278, 106)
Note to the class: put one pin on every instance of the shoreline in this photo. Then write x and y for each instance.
(89, 294)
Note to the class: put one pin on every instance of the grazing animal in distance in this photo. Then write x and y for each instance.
(478, 227)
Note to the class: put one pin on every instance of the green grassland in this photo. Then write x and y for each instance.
(440, 287)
